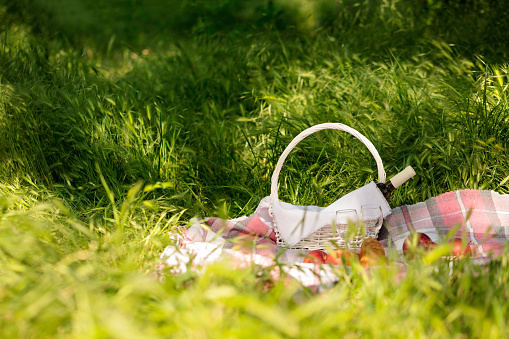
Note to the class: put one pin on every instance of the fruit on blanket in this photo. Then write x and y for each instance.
(416, 242)
(372, 253)
(341, 256)
(458, 249)
(316, 257)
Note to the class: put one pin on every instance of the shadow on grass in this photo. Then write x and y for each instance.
(367, 27)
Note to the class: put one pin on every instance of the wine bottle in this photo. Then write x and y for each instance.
(399, 179)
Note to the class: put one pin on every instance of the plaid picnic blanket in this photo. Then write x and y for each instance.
(482, 216)
(245, 241)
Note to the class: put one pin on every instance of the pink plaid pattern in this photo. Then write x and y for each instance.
(252, 226)
(245, 234)
(483, 216)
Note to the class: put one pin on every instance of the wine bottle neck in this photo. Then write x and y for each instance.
(387, 187)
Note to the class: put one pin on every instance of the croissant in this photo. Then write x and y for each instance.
(370, 259)
(371, 245)
(372, 253)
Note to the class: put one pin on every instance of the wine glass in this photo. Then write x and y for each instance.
(346, 224)
(372, 218)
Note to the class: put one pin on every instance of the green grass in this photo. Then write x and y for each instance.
(119, 123)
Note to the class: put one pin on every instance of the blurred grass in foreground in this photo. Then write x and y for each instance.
(61, 278)
(119, 124)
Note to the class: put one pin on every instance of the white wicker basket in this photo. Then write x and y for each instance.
(325, 237)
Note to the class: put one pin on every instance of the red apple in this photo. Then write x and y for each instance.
(316, 257)
(417, 242)
(341, 256)
(458, 249)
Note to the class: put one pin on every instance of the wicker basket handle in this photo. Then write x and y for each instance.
(316, 128)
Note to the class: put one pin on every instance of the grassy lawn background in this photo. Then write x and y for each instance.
(122, 120)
